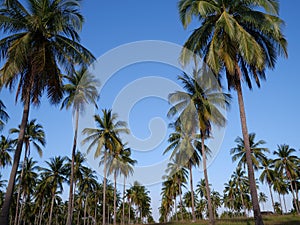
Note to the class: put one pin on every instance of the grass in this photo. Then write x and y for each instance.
(268, 220)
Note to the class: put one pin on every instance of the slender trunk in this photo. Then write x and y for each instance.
(70, 203)
(104, 189)
(74, 190)
(95, 212)
(129, 210)
(252, 184)
(297, 197)
(21, 209)
(294, 198)
(123, 209)
(4, 217)
(115, 198)
(192, 194)
(271, 197)
(175, 208)
(210, 209)
(279, 197)
(78, 215)
(84, 212)
(243, 203)
(17, 221)
(51, 209)
(180, 199)
(284, 203)
(108, 217)
(41, 215)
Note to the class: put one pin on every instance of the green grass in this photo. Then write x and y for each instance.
(268, 220)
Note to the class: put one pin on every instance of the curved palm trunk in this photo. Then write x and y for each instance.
(180, 199)
(294, 198)
(192, 194)
(70, 203)
(271, 197)
(115, 198)
(253, 191)
(283, 196)
(104, 190)
(243, 203)
(21, 210)
(51, 209)
(210, 209)
(4, 217)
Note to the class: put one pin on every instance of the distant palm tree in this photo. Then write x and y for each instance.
(6, 146)
(34, 135)
(203, 97)
(106, 140)
(286, 164)
(81, 90)
(262, 198)
(239, 39)
(40, 39)
(3, 115)
(268, 174)
(54, 175)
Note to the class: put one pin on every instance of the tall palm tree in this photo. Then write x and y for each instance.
(6, 146)
(34, 135)
(204, 94)
(54, 175)
(240, 39)
(106, 140)
(257, 152)
(41, 38)
(268, 174)
(184, 151)
(81, 89)
(286, 164)
(3, 115)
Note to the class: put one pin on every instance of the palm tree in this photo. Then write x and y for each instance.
(184, 152)
(286, 164)
(240, 39)
(35, 135)
(41, 38)
(6, 146)
(26, 181)
(3, 115)
(257, 153)
(106, 140)
(204, 94)
(81, 89)
(54, 176)
(268, 174)
(262, 198)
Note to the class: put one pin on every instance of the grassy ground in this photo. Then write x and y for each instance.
(268, 220)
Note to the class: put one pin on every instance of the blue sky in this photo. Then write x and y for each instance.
(272, 111)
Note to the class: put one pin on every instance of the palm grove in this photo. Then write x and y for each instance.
(41, 51)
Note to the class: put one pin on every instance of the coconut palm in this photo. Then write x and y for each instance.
(106, 140)
(54, 175)
(34, 135)
(268, 174)
(257, 152)
(3, 115)
(240, 39)
(6, 146)
(286, 164)
(81, 89)
(262, 198)
(184, 151)
(203, 96)
(41, 39)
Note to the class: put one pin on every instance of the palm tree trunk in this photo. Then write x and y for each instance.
(192, 194)
(104, 189)
(253, 191)
(70, 203)
(180, 199)
(243, 203)
(17, 222)
(210, 210)
(4, 217)
(294, 198)
(284, 203)
(84, 212)
(115, 198)
(95, 212)
(175, 207)
(51, 209)
(129, 210)
(271, 197)
(123, 206)
(279, 197)
(21, 210)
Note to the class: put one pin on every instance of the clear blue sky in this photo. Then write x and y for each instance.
(272, 111)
